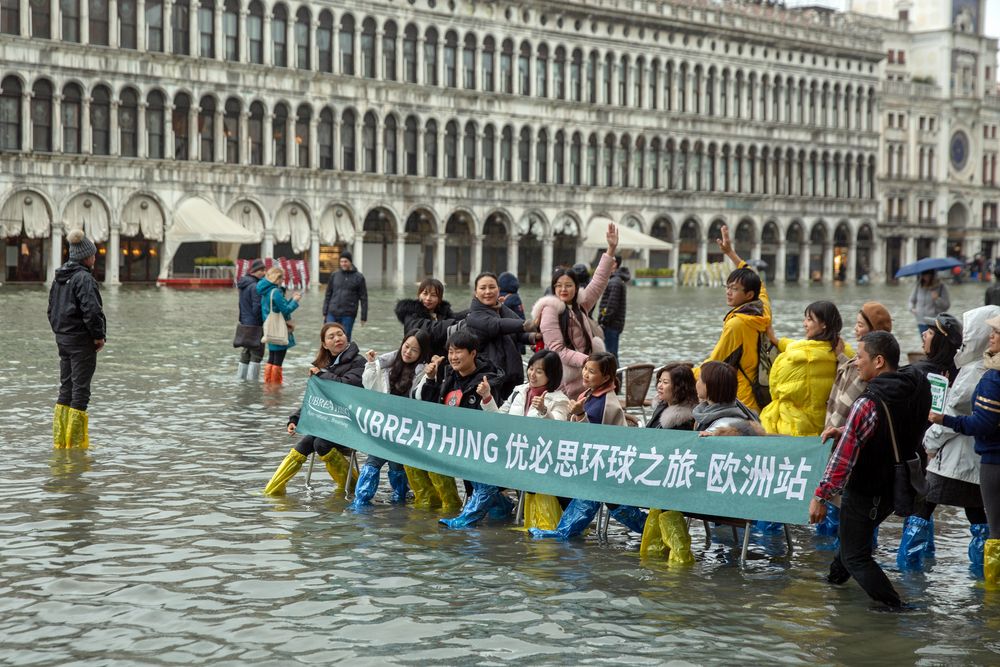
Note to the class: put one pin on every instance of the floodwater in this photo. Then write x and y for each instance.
(157, 547)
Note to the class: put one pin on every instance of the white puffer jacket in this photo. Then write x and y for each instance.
(376, 374)
(955, 457)
(555, 404)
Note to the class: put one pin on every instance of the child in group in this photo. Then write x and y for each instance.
(397, 373)
(538, 397)
(456, 385)
(598, 404)
(338, 361)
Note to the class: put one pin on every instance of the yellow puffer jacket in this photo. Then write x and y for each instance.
(801, 380)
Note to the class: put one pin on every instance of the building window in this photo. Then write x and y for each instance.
(507, 67)
(591, 75)
(70, 10)
(368, 143)
(347, 45)
(97, 22)
(576, 76)
(489, 153)
(559, 74)
(609, 66)
(10, 114)
(302, 21)
(506, 154)
(154, 25)
(155, 119)
(181, 20)
(127, 24)
(279, 36)
(488, 55)
(206, 29)
(231, 30)
(469, 150)
(10, 17)
(389, 52)
(231, 130)
(70, 108)
(389, 146)
(430, 57)
(541, 71)
(410, 54)
(542, 157)
(450, 56)
(558, 158)
(303, 118)
(206, 128)
(324, 42)
(410, 146)
(524, 155)
(255, 33)
(255, 127)
(279, 136)
(368, 49)
(901, 57)
(523, 71)
(181, 125)
(41, 19)
(128, 123)
(451, 150)
(431, 149)
(592, 160)
(469, 62)
(324, 138)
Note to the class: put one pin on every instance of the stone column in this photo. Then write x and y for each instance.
(86, 131)
(57, 132)
(112, 260)
(399, 277)
(477, 257)
(359, 247)
(84, 22)
(779, 263)
(218, 44)
(140, 28)
(313, 50)
(55, 250)
(674, 87)
(142, 145)
(804, 252)
(244, 157)
(168, 132)
(24, 13)
(702, 252)
(828, 262)
(291, 148)
(420, 152)
(439, 257)
(113, 40)
(219, 137)
(55, 20)
(675, 262)
(335, 156)
(194, 38)
(851, 276)
(115, 147)
(421, 42)
(168, 26)
(532, 60)
(314, 142)
(357, 49)
(377, 55)
(314, 259)
(380, 147)
(657, 75)
(265, 35)
(26, 126)
(547, 243)
(512, 252)
(268, 159)
(267, 244)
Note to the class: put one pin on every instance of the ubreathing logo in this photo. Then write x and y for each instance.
(328, 408)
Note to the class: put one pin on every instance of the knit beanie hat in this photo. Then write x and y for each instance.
(346, 254)
(876, 316)
(80, 247)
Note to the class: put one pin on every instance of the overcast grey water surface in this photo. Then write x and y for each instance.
(157, 547)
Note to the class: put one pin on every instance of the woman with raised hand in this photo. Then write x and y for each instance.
(272, 297)
(538, 397)
(397, 373)
(563, 319)
(339, 360)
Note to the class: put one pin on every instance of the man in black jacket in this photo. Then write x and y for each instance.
(893, 410)
(611, 311)
(251, 316)
(344, 292)
(76, 315)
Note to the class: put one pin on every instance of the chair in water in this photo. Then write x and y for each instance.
(636, 379)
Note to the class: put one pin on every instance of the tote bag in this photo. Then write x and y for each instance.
(275, 327)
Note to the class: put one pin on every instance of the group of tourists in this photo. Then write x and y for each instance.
(853, 393)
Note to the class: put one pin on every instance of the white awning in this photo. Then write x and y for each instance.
(197, 220)
(628, 238)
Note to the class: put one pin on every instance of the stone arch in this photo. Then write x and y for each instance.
(689, 240)
(663, 229)
(714, 232)
(292, 229)
(842, 237)
(958, 223)
(27, 216)
(420, 256)
(90, 212)
(461, 229)
(745, 238)
(531, 230)
(819, 240)
(497, 227)
(143, 216)
(378, 250)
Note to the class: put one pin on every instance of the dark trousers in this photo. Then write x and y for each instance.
(252, 354)
(276, 357)
(77, 364)
(859, 516)
(611, 337)
(310, 443)
(346, 321)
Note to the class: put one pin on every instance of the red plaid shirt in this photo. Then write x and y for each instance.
(859, 429)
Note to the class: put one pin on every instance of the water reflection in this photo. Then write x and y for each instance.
(157, 546)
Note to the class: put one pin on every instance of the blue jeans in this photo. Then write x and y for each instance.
(344, 321)
(611, 340)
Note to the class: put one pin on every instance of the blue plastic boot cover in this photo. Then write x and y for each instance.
(830, 524)
(913, 544)
(575, 519)
(397, 480)
(931, 551)
(631, 517)
(768, 527)
(980, 533)
(501, 507)
(483, 497)
(366, 487)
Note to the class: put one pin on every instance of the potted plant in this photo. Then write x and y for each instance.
(644, 277)
(664, 277)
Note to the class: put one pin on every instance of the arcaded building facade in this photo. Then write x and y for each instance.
(440, 137)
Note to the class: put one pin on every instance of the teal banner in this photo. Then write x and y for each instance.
(770, 478)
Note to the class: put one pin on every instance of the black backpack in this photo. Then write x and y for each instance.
(766, 353)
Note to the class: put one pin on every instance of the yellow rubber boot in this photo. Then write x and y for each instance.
(77, 435)
(424, 495)
(991, 564)
(675, 534)
(446, 491)
(291, 465)
(336, 466)
(652, 545)
(541, 511)
(60, 426)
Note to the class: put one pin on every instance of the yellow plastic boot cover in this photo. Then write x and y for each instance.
(60, 426)
(991, 564)
(336, 466)
(445, 487)
(652, 545)
(424, 495)
(541, 511)
(288, 468)
(674, 529)
(76, 429)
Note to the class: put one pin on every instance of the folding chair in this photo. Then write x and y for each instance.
(353, 472)
(636, 379)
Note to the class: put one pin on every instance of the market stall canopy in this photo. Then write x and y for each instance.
(628, 238)
(197, 220)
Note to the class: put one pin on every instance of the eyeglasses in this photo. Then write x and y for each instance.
(735, 288)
